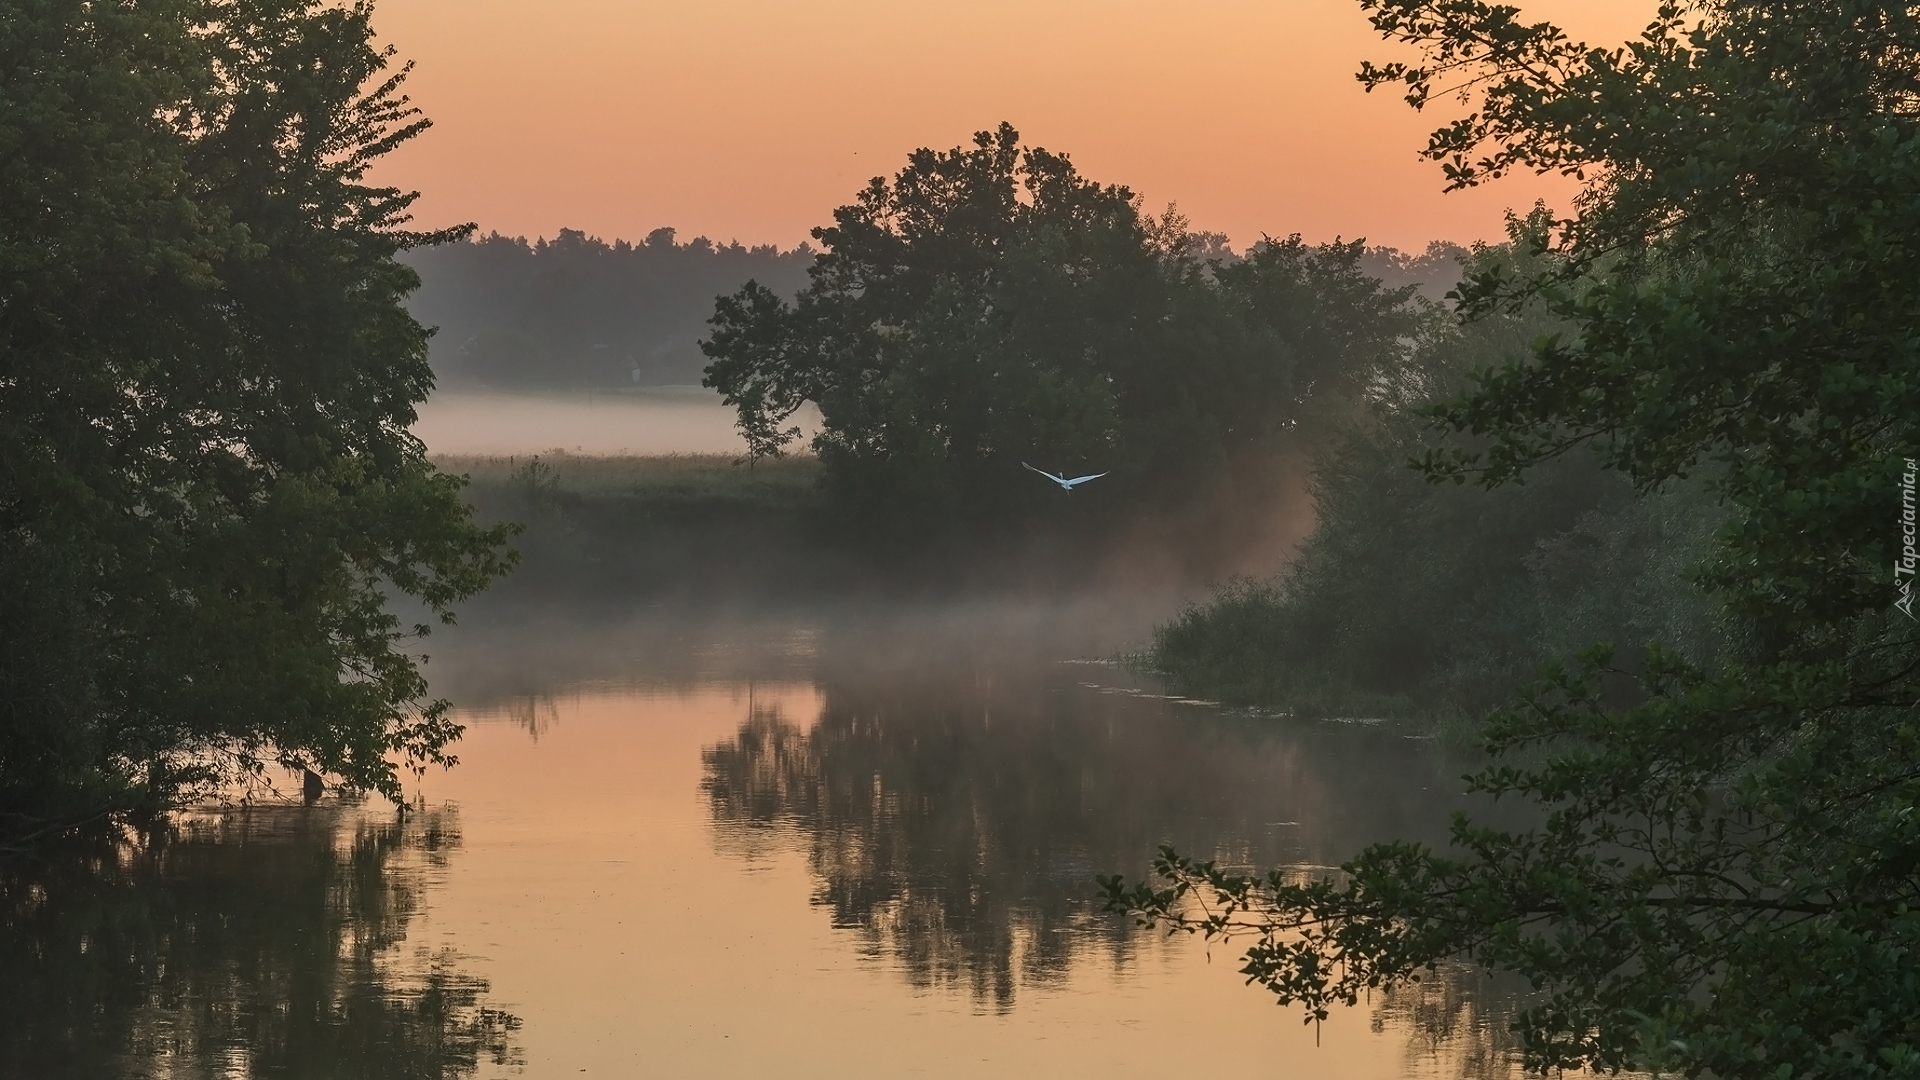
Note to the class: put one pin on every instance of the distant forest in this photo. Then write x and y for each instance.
(576, 312)
(1434, 271)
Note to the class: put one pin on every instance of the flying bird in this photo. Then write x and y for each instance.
(1065, 484)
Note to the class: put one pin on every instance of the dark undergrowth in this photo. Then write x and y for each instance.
(614, 528)
(626, 530)
(1417, 600)
(1438, 602)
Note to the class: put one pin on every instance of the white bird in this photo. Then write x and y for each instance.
(1065, 484)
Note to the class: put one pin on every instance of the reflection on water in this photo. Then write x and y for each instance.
(1458, 1012)
(955, 815)
(265, 942)
(658, 420)
(856, 845)
(955, 893)
(641, 420)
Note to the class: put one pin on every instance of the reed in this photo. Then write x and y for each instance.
(675, 477)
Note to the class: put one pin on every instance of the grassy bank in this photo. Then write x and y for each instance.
(685, 478)
(631, 528)
(618, 528)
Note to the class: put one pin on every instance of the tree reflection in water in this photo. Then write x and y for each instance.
(958, 822)
(1457, 1012)
(268, 941)
(916, 859)
(956, 819)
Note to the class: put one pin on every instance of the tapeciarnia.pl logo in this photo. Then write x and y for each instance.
(1903, 567)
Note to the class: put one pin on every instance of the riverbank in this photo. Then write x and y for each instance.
(612, 527)
(713, 528)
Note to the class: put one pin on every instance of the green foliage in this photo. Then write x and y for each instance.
(1415, 597)
(206, 480)
(1724, 878)
(989, 306)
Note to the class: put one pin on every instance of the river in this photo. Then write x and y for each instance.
(808, 843)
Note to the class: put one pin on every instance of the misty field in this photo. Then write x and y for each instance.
(662, 476)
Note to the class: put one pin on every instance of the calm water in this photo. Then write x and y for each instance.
(651, 420)
(641, 420)
(813, 844)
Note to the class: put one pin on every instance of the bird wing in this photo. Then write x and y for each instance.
(1046, 474)
(1083, 479)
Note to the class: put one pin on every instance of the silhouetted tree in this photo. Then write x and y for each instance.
(1724, 880)
(989, 306)
(1440, 598)
(207, 488)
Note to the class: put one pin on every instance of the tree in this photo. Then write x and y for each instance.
(1727, 867)
(990, 305)
(1438, 600)
(207, 487)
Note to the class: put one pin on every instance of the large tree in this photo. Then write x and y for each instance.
(988, 306)
(1726, 873)
(207, 486)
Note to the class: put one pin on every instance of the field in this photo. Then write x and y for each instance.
(624, 529)
(671, 477)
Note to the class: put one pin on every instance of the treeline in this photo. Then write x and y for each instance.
(578, 312)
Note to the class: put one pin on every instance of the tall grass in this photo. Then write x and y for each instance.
(675, 476)
(627, 529)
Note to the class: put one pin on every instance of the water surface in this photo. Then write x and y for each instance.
(828, 844)
(651, 420)
(638, 421)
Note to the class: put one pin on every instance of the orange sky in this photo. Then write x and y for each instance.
(752, 119)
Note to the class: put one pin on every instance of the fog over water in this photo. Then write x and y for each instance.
(650, 420)
(828, 840)
(860, 841)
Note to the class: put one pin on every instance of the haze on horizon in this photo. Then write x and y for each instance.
(752, 119)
